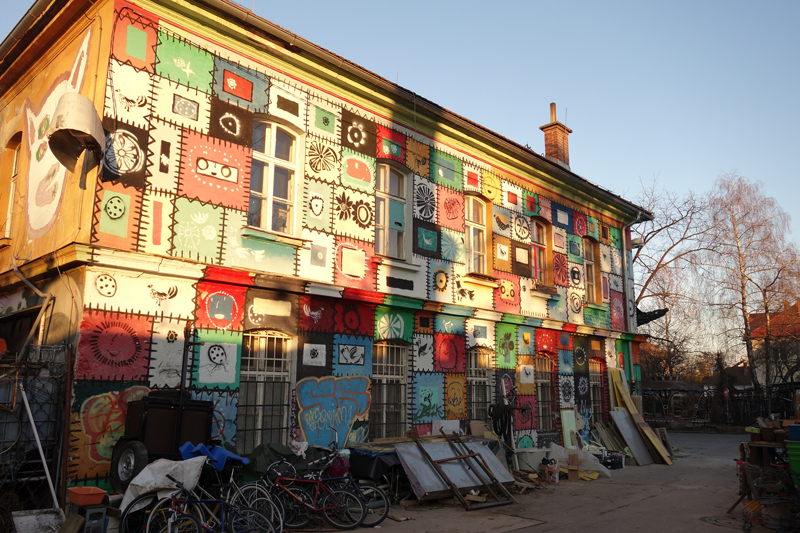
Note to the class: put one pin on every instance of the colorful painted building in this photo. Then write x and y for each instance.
(355, 259)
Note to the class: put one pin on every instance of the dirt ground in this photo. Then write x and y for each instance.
(692, 495)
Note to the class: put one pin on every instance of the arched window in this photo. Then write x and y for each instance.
(546, 392)
(264, 385)
(590, 268)
(8, 184)
(391, 211)
(539, 249)
(273, 178)
(475, 221)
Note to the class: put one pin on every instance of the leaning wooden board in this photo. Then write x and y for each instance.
(654, 439)
(632, 437)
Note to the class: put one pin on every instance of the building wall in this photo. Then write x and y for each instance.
(173, 249)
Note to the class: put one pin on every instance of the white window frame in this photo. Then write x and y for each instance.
(480, 375)
(475, 232)
(539, 255)
(389, 368)
(271, 162)
(590, 281)
(383, 196)
(12, 188)
(262, 368)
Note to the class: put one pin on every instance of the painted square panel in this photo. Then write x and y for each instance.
(197, 231)
(450, 206)
(125, 153)
(391, 144)
(183, 63)
(440, 281)
(324, 160)
(428, 397)
(358, 133)
(358, 171)
(352, 266)
(324, 119)
(181, 106)
(134, 39)
(220, 306)
(128, 94)
(113, 346)
(231, 123)
(352, 355)
(217, 361)
(453, 246)
(354, 214)
(502, 221)
(418, 157)
(240, 86)
(446, 170)
(214, 171)
(163, 156)
(423, 353)
(425, 199)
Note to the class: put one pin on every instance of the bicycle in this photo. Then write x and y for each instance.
(225, 517)
(304, 496)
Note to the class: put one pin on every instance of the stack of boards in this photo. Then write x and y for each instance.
(631, 429)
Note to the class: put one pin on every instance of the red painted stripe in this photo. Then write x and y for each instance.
(157, 209)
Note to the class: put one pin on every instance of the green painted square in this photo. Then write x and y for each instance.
(574, 249)
(530, 203)
(114, 214)
(219, 355)
(614, 237)
(593, 228)
(197, 230)
(183, 63)
(506, 342)
(136, 43)
(393, 324)
(453, 246)
(324, 120)
(428, 239)
(447, 170)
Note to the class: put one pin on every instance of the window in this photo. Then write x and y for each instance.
(390, 210)
(10, 170)
(387, 413)
(588, 266)
(480, 373)
(272, 178)
(539, 259)
(596, 387)
(546, 392)
(264, 384)
(475, 221)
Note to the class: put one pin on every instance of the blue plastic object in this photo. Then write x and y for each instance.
(218, 455)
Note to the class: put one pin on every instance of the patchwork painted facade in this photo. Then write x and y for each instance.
(351, 267)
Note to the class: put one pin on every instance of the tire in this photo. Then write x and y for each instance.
(128, 458)
(182, 524)
(377, 505)
(346, 509)
(162, 511)
(256, 497)
(249, 521)
(295, 514)
(134, 519)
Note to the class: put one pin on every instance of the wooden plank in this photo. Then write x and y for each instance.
(662, 433)
(645, 428)
(625, 397)
(567, 424)
(613, 396)
(631, 435)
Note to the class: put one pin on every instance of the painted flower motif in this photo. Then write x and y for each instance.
(322, 157)
(345, 205)
(452, 246)
(362, 214)
(188, 234)
(507, 346)
(199, 218)
(209, 233)
(567, 390)
(356, 134)
(441, 281)
(583, 385)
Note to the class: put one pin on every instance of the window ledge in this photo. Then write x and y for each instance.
(481, 279)
(259, 234)
(396, 263)
(5, 242)
(595, 307)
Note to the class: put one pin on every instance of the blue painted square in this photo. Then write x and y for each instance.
(352, 356)
(562, 217)
(449, 324)
(428, 398)
(565, 362)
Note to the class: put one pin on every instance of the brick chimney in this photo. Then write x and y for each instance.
(556, 144)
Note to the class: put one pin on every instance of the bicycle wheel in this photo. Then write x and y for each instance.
(257, 497)
(184, 523)
(247, 520)
(343, 509)
(162, 511)
(9, 429)
(134, 519)
(295, 513)
(376, 503)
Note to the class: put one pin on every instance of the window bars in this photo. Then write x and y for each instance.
(480, 377)
(387, 414)
(546, 393)
(263, 414)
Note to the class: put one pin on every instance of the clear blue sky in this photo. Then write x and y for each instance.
(682, 90)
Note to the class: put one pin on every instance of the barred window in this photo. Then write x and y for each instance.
(387, 414)
(544, 369)
(480, 382)
(264, 384)
(596, 387)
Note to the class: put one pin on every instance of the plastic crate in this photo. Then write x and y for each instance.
(86, 496)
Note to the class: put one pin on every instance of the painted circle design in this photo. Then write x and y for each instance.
(580, 356)
(217, 354)
(114, 208)
(363, 214)
(352, 320)
(115, 343)
(575, 302)
(123, 154)
(441, 280)
(522, 228)
(106, 285)
(391, 326)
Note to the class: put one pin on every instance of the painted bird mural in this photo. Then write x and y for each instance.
(159, 296)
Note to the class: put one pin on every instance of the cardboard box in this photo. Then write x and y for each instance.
(573, 474)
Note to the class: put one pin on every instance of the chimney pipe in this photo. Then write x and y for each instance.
(556, 144)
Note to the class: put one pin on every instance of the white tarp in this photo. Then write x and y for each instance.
(587, 461)
(154, 478)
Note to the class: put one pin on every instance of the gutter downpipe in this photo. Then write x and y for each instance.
(625, 271)
(47, 299)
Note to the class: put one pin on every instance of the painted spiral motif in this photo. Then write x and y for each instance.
(560, 270)
(424, 202)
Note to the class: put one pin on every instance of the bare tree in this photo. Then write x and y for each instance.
(743, 231)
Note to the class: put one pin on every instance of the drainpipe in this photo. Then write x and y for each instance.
(625, 277)
(47, 299)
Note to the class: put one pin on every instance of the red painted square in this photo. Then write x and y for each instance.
(353, 319)
(237, 85)
(512, 197)
(472, 179)
(220, 306)
(391, 145)
(449, 353)
(316, 314)
(546, 341)
(114, 346)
